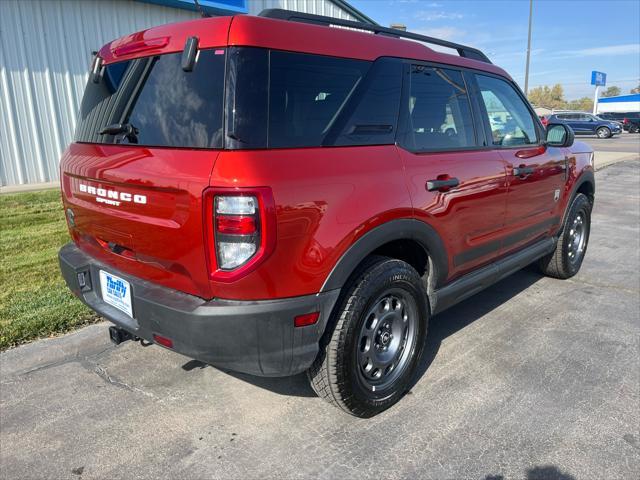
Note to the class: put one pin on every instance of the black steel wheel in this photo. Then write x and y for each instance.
(375, 339)
(572, 242)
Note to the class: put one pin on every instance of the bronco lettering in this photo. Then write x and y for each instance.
(102, 194)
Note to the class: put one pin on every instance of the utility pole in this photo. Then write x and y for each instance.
(526, 73)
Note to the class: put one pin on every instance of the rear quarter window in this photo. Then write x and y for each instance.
(281, 99)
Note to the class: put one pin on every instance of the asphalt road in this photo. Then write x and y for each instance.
(626, 142)
(533, 378)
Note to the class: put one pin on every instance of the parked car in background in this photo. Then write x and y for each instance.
(587, 124)
(630, 120)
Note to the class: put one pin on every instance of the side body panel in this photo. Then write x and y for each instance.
(534, 198)
(326, 198)
(470, 217)
(580, 174)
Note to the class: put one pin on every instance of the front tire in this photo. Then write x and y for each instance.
(571, 246)
(603, 132)
(367, 362)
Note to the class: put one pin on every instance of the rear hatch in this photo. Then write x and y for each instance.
(146, 142)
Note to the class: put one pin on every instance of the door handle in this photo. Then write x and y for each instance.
(520, 171)
(442, 185)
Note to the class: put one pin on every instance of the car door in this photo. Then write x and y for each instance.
(535, 172)
(589, 123)
(570, 119)
(582, 123)
(457, 184)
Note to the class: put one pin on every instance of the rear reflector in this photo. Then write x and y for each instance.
(306, 320)
(164, 341)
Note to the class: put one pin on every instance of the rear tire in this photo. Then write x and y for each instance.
(368, 359)
(603, 132)
(571, 247)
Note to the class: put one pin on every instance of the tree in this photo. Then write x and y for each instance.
(544, 96)
(584, 104)
(612, 91)
(635, 90)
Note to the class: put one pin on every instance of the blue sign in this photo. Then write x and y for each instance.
(598, 78)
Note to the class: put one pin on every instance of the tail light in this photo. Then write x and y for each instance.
(625, 121)
(240, 230)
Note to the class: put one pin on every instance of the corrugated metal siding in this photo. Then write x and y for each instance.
(45, 51)
(318, 7)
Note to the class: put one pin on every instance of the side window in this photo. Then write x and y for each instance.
(373, 117)
(307, 94)
(510, 119)
(439, 111)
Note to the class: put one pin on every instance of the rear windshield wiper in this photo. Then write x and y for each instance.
(127, 130)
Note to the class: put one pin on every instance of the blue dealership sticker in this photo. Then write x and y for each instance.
(116, 292)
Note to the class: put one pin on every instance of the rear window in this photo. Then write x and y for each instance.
(164, 105)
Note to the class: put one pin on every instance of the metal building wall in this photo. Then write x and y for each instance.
(45, 51)
(318, 7)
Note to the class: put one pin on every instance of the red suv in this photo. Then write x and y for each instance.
(274, 195)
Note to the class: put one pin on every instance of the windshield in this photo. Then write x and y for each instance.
(156, 102)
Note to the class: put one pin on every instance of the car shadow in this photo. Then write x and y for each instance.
(543, 472)
(441, 326)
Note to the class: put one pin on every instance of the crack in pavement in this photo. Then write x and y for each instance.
(601, 285)
(103, 373)
(64, 361)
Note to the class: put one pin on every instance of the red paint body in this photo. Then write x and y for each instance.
(324, 198)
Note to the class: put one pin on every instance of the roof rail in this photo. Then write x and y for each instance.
(281, 14)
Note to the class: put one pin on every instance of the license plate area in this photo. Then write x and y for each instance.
(116, 292)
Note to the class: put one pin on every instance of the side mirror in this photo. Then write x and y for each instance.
(560, 135)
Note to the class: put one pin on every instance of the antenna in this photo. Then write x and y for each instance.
(200, 10)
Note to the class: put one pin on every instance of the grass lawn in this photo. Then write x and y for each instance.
(34, 300)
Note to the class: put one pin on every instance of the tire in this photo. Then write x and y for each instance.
(565, 261)
(603, 132)
(363, 325)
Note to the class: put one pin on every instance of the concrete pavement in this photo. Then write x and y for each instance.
(533, 378)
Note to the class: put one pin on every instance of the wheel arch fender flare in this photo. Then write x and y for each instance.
(587, 177)
(399, 229)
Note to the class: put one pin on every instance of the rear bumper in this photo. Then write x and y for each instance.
(256, 337)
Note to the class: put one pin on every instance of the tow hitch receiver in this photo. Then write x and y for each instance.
(118, 335)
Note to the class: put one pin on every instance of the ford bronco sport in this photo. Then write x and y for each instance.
(274, 195)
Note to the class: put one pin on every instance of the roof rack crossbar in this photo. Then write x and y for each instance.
(290, 15)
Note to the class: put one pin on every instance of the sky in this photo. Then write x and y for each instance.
(570, 38)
